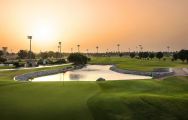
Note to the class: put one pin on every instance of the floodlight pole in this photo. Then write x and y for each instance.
(30, 38)
(60, 48)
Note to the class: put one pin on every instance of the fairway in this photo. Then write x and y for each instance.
(108, 100)
(138, 64)
(111, 100)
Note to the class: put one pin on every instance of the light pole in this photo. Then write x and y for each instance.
(129, 50)
(107, 50)
(30, 38)
(168, 48)
(60, 48)
(78, 48)
(141, 47)
(118, 47)
(97, 49)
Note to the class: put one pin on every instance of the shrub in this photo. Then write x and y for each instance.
(2, 60)
(132, 55)
(145, 55)
(77, 58)
(159, 55)
(183, 55)
(151, 55)
(175, 56)
(60, 61)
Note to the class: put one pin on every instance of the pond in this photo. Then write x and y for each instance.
(90, 73)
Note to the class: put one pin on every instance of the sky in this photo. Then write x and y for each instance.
(154, 24)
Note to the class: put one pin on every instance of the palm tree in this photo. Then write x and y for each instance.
(118, 47)
(129, 50)
(168, 48)
(78, 48)
(71, 50)
(97, 48)
(107, 50)
(141, 48)
(87, 50)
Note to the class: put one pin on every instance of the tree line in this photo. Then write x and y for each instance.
(181, 55)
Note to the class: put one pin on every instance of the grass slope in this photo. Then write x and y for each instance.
(136, 64)
(111, 100)
(46, 101)
(141, 100)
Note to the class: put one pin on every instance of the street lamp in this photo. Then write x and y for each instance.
(97, 48)
(141, 47)
(30, 38)
(168, 47)
(60, 48)
(78, 48)
(118, 47)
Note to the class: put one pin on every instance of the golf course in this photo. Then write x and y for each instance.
(153, 99)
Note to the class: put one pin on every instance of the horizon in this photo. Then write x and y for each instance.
(130, 23)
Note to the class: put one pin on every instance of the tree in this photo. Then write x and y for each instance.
(1, 53)
(2, 60)
(140, 55)
(145, 54)
(44, 55)
(22, 54)
(32, 55)
(183, 55)
(159, 55)
(132, 55)
(77, 58)
(175, 56)
(151, 55)
(51, 54)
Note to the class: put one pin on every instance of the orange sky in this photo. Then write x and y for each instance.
(154, 24)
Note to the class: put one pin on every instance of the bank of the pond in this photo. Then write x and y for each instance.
(157, 73)
(30, 76)
(163, 72)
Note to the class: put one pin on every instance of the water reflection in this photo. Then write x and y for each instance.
(73, 76)
(90, 73)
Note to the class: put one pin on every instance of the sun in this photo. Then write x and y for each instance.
(44, 32)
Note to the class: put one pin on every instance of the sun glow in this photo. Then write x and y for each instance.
(44, 32)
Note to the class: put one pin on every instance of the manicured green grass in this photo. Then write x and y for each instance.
(46, 101)
(6, 67)
(141, 100)
(111, 100)
(137, 64)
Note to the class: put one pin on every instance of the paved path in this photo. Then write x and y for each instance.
(180, 71)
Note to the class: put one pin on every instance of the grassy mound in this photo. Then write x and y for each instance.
(141, 100)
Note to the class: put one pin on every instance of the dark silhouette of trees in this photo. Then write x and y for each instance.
(78, 58)
(175, 56)
(23, 54)
(132, 54)
(145, 55)
(2, 60)
(140, 55)
(151, 55)
(44, 55)
(159, 55)
(183, 55)
(1, 53)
